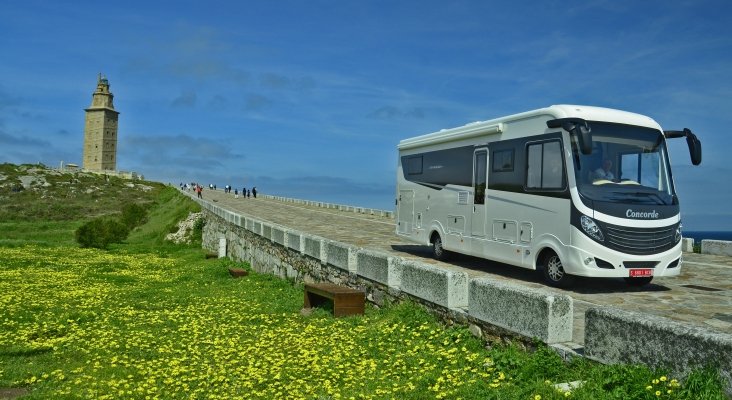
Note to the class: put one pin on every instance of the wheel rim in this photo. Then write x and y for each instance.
(554, 269)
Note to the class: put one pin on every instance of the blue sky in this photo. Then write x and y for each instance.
(309, 99)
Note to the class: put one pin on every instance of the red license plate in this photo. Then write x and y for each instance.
(640, 273)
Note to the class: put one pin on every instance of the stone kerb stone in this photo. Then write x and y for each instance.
(294, 241)
(687, 245)
(278, 235)
(716, 247)
(257, 227)
(618, 336)
(267, 231)
(379, 267)
(312, 247)
(534, 313)
(341, 256)
(436, 285)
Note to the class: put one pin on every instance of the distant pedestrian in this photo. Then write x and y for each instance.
(249, 193)
(244, 192)
(236, 193)
(254, 192)
(199, 189)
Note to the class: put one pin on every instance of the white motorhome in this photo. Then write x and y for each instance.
(569, 190)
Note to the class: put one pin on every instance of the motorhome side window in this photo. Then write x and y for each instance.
(503, 160)
(414, 165)
(544, 169)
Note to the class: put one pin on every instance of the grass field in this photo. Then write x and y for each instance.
(153, 320)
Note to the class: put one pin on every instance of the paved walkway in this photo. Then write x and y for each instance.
(701, 295)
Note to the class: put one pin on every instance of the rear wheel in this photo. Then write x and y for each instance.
(438, 252)
(638, 282)
(554, 273)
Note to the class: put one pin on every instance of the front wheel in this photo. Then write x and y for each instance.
(638, 282)
(554, 273)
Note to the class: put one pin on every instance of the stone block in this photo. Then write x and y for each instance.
(687, 245)
(294, 241)
(278, 235)
(341, 256)
(222, 247)
(267, 231)
(716, 247)
(618, 336)
(531, 312)
(312, 247)
(436, 285)
(379, 267)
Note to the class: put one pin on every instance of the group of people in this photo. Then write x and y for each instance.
(198, 189)
(193, 186)
(244, 192)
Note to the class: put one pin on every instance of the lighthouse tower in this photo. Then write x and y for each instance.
(100, 130)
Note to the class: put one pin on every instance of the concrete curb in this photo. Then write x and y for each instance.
(534, 313)
(618, 336)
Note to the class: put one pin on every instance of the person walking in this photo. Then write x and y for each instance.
(254, 192)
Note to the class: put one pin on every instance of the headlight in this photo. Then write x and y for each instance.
(591, 228)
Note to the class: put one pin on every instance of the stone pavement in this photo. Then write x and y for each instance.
(701, 295)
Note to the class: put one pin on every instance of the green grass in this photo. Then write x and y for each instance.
(44, 233)
(152, 319)
(54, 196)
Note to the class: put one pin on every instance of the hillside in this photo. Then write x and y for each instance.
(37, 193)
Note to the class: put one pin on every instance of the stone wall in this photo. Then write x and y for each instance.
(492, 309)
(301, 257)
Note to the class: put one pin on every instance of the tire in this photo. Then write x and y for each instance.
(438, 252)
(554, 273)
(638, 282)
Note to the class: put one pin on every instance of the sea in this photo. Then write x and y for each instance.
(698, 236)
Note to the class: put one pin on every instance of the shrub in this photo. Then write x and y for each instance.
(133, 215)
(100, 232)
(198, 228)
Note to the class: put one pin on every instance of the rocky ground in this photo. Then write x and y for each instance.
(185, 229)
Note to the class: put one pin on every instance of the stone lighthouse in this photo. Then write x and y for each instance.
(100, 130)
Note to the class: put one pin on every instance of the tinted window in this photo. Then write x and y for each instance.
(442, 167)
(414, 165)
(545, 169)
(503, 161)
(480, 169)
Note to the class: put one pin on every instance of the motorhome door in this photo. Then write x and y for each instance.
(480, 167)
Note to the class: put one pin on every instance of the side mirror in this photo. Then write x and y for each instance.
(576, 126)
(695, 150)
(584, 136)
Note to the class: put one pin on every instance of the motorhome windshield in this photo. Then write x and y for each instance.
(628, 164)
